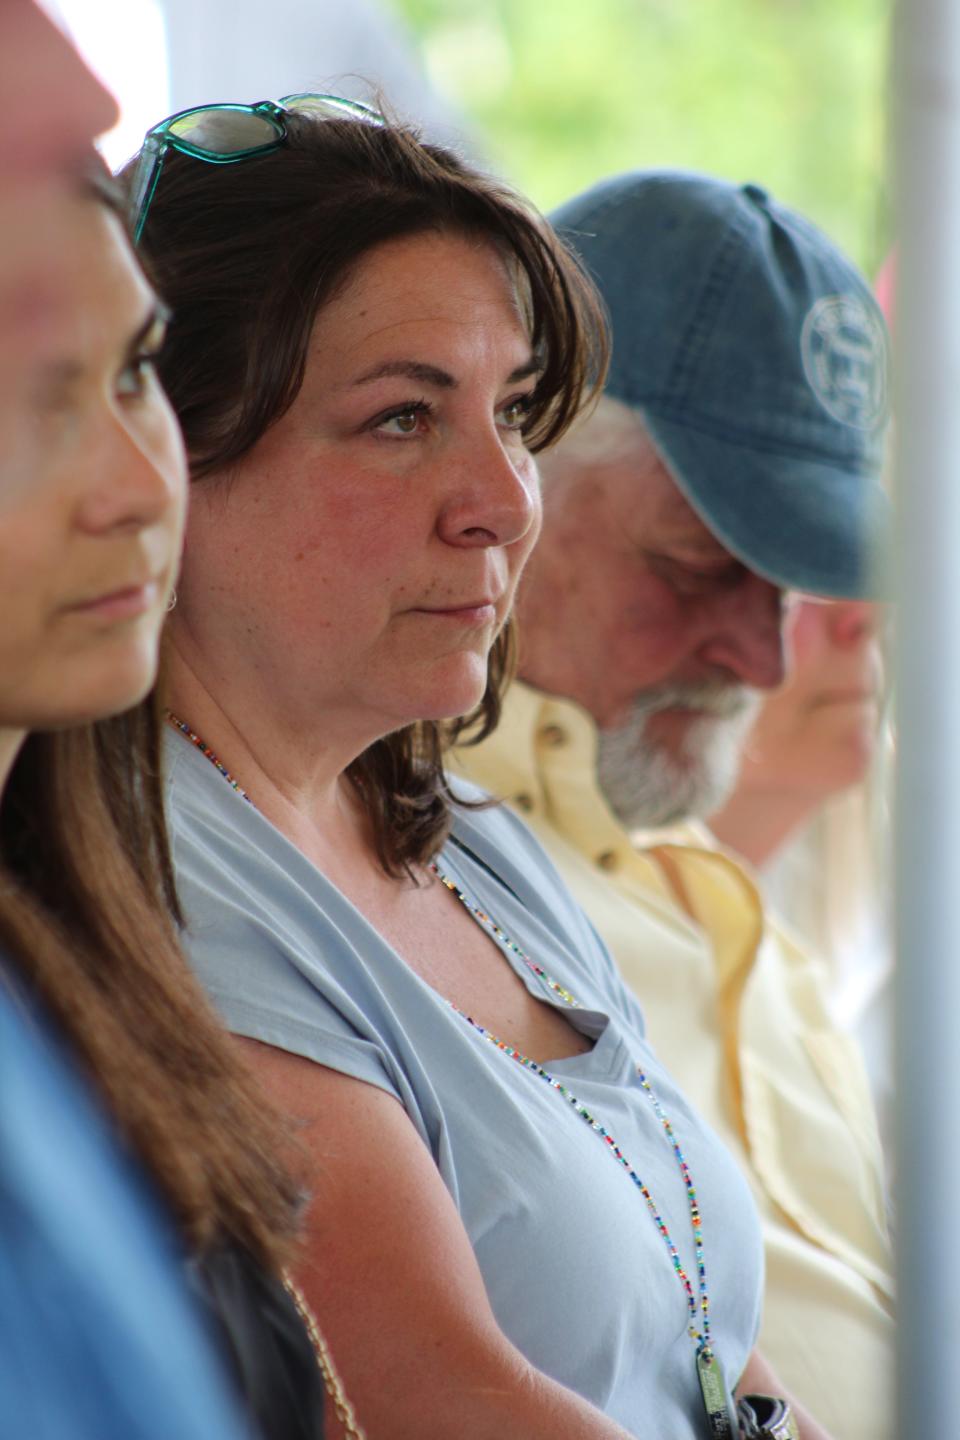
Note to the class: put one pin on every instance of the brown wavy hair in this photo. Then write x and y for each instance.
(248, 254)
(88, 916)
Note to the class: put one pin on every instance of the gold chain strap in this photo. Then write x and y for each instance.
(331, 1380)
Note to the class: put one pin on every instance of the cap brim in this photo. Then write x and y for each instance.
(801, 523)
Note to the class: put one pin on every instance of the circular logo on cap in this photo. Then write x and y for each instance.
(844, 353)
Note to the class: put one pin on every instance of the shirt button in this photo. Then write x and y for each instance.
(608, 860)
(553, 735)
(523, 801)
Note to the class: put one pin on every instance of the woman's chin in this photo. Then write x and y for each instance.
(110, 693)
(462, 701)
(456, 691)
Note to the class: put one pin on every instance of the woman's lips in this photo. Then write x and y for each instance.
(850, 696)
(483, 612)
(124, 604)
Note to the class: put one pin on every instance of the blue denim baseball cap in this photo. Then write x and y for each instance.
(758, 360)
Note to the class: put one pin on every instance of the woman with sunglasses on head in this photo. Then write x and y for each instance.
(92, 503)
(370, 341)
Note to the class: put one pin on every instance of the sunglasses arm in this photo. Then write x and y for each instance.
(145, 178)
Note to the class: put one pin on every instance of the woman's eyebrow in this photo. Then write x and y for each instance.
(533, 366)
(409, 370)
(433, 375)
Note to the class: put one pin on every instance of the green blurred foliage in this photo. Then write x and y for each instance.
(786, 92)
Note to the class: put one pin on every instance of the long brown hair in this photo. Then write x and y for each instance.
(247, 254)
(87, 920)
(84, 891)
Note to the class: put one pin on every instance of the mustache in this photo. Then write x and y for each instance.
(646, 783)
(721, 699)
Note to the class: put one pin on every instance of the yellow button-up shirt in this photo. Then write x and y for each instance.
(737, 1011)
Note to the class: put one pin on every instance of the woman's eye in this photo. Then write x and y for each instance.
(408, 421)
(515, 413)
(405, 424)
(133, 378)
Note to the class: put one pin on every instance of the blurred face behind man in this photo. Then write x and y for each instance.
(632, 608)
(818, 735)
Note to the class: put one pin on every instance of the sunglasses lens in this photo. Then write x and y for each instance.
(224, 132)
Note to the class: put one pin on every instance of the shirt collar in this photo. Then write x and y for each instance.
(542, 757)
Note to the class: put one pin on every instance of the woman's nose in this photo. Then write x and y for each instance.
(497, 498)
(132, 479)
(852, 621)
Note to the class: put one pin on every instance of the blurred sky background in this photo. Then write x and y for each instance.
(553, 94)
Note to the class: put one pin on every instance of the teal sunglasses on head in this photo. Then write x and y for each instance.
(226, 134)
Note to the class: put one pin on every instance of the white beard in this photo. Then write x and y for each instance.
(645, 785)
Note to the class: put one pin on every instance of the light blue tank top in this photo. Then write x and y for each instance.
(577, 1273)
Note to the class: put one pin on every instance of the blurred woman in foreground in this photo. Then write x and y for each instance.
(92, 506)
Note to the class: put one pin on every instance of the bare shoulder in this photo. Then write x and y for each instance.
(356, 1144)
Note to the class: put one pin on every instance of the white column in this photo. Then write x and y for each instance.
(926, 132)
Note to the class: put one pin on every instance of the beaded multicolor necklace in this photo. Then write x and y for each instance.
(709, 1370)
(204, 749)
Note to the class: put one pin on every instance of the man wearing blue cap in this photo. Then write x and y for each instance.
(735, 455)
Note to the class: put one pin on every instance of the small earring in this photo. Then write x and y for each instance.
(172, 602)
